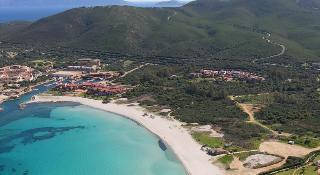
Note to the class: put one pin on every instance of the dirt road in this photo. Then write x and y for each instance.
(268, 40)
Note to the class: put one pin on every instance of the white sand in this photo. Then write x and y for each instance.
(207, 128)
(178, 138)
(3, 98)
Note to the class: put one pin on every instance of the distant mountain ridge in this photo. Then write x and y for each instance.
(311, 4)
(58, 3)
(82, 3)
(171, 3)
(205, 28)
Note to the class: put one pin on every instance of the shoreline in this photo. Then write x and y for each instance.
(22, 91)
(178, 138)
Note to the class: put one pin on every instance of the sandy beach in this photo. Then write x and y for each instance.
(177, 137)
(3, 98)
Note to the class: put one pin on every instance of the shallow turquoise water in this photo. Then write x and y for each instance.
(72, 139)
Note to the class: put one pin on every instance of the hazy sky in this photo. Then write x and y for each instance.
(155, 0)
(70, 2)
(31, 10)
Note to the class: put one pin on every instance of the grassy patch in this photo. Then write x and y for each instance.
(305, 141)
(263, 99)
(234, 148)
(205, 139)
(226, 160)
(255, 143)
(41, 63)
(127, 63)
(317, 158)
(308, 170)
(289, 172)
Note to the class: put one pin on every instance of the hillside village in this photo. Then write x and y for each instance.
(227, 75)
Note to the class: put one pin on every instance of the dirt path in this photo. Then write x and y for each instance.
(267, 39)
(132, 70)
(271, 147)
(248, 151)
(250, 109)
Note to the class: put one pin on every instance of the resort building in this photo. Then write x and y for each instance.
(228, 75)
(86, 64)
(61, 75)
(91, 88)
(18, 73)
(101, 75)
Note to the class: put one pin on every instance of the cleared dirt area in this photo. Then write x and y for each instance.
(237, 168)
(271, 147)
(261, 160)
(283, 149)
(208, 129)
(250, 109)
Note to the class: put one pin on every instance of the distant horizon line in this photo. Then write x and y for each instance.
(10, 14)
(120, 3)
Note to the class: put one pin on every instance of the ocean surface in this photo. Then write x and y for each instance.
(73, 139)
(9, 14)
(27, 14)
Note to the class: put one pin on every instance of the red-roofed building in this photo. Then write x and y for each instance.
(92, 88)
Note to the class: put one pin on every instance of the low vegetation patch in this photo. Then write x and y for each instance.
(226, 160)
(205, 139)
(263, 99)
(293, 163)
(305, 141)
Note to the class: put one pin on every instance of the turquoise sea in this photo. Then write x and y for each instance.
(72, 139)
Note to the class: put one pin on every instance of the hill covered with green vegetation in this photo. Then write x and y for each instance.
(11, 28)
(200, 29)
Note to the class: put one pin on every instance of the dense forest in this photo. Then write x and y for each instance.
(293, 108)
